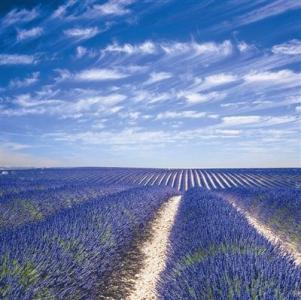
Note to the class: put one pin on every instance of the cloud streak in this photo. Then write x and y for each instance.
(189, 114)
(292, 47)
(100, 75)
(17, 16)
(113, 7)
(82, 33)
(19, 83)
(269, 10)
(17, 59)
(32, 33)
(157, 77)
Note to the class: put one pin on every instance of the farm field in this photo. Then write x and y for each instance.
(129, 233)
(150, 150)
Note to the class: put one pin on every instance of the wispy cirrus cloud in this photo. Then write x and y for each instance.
(62, 74)
(84, 52)
(94, 74)
(82, 33)
(148, 47)
(173, 48)
(84, 103)
(241, 120)
(25, 34)
(100, 75)
(197, 98)
(282, 77)
(269, 10)
(28, 103)
(28, 81)
(188, 114)
(215, 80)
(90, 10)
(113, 7)
(292, 47)
(62, 9)
(140, 136)
(257, 120)
(17, 59)
(158, 76)
(16, 16)
(148, 96)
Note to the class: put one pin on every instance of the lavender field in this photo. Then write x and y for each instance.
(79, 233)
(150, 150)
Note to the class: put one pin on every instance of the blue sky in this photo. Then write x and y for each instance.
(166, 83)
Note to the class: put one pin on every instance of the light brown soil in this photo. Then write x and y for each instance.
(155, 252)
(285, 245)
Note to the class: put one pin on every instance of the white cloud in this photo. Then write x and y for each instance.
(244, 47)
(138, 136)
(17, 59)
(128, 136)
(173, 48)
(176, 48)
(132, 68)
(19, 16)
(298, 108)
(81, 51)
(29, 101)
(147, 47)
(84, 103)
(82, 33)
(270, 9)
(292, 47)
(258, 120)
(100, 74)
(241, 120)
(195, 98)
(150, 97)
(234, 104)
(61, 10)
(113, 7)
(134, 115)
(63, 74)
(286, 76)
(25, 34)
(158, 76)
(102, 101)
(160, 97)
(277, 120)
(18, 83)
(85, 52)
(228, 132)
(189, 114)
(217, 80)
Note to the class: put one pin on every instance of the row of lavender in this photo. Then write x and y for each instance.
(213, 179)
(181, 179)
(36, 205)
(33, 195)
(71, 254)
(278, 208)
(216, 254)
(16, 181)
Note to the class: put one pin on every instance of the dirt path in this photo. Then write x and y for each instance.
(155, 252)
(285, 246)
